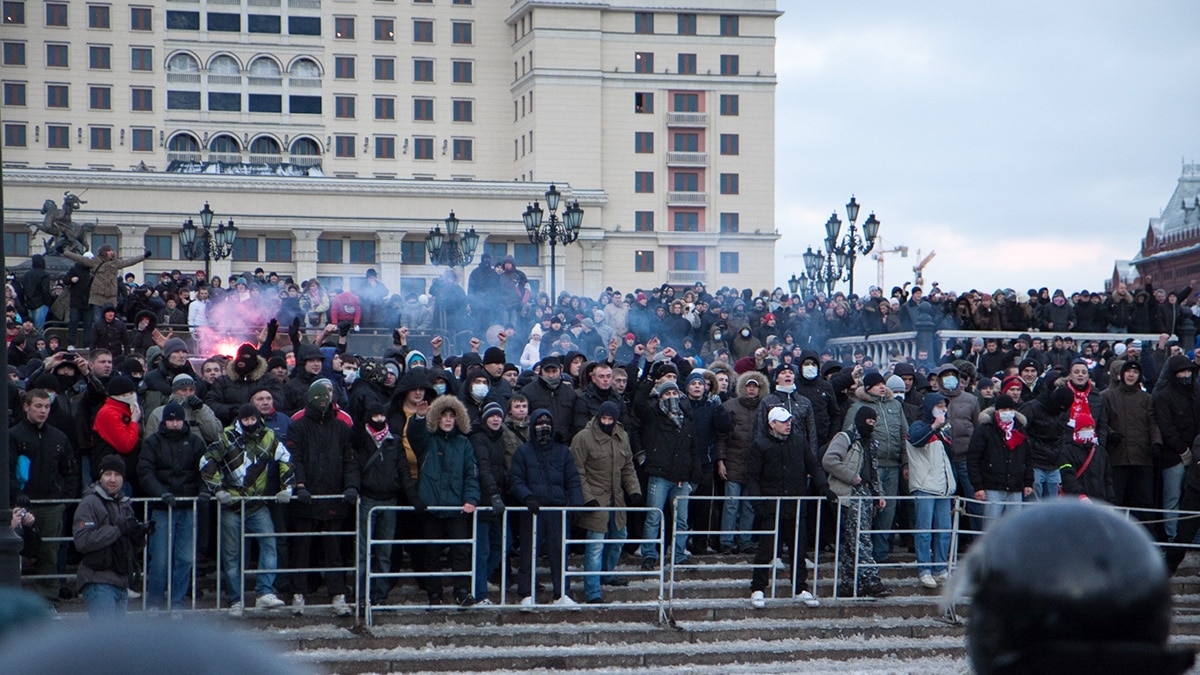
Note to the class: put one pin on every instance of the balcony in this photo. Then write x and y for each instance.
(687, 277)
(225, 79)
(224, 2)
(304, 4)
(687, 199)
(225, 157)
(687, 119)
(306, 160)
(186, 78)
(183, 156)
(264, 3)
(272, 160)
(687, 159)
(266, 81)
(305, 82)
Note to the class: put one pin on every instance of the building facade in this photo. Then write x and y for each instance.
(336, 133)
(1169, 256)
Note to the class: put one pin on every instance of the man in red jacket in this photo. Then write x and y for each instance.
(116, 429)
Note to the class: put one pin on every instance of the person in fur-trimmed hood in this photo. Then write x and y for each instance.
(233, 388)
(448, 477)
(998, 459)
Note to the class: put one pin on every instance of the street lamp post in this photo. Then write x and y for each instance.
(204, 242)
(838, 258)
(451, 249)
(554, 230)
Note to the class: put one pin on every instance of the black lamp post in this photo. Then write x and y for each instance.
(204, 242)
(839, 258)
(10, 543)
(451, 249)
(554, 230)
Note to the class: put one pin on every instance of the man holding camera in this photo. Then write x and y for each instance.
(108, 536)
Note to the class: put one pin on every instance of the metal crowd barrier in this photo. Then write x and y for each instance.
(666, 575)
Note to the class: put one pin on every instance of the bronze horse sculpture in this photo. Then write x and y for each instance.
(64, 234)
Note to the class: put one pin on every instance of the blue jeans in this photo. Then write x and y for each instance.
(932, 512)
(380, 554)
(232, 529)
(736, 515)
(488, 554)
(1172, 491)
(105, 601)
(1045, 484)
(179, 558)
(39, 316)
(599, 556)
(660, 491)
(881, 544)
(998, 503)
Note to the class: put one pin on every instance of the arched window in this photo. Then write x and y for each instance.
(264, 145)
(306, 68)
(264, 67)
(183, 143)
(305, 146)
(224, 143)
(183, 63)
(224, 65)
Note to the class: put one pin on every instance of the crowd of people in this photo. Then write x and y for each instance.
(614, 403)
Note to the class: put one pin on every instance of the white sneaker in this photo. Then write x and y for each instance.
(297, 604)
(268, 601)
(340, 607)
(528, 603)
(484, 603)
(808, 599)
(757, 599)
(778, 563)
(235, 610)
(565, 600)
(809, 564)
(928, 581)
(941, 577)
(133, 595)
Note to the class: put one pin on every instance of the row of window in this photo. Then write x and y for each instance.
(98, 16)
(461, 110)
(685, 261)
(685, 181)
(59, 96)
(643, 62)
(685, 221)
(236, 102)
(423, 147)
(643, 102)
(685, 24)
(684, 141)
(58, 55)
(461, 72)
(461, 32)
(58, 137)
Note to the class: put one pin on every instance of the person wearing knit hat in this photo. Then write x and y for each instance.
(872, 379)
(896, 385)
(492, 408)
(200, 418)
(891, 434)
(1013, 387)
(104, 528)
(493, 365)
(849, 463)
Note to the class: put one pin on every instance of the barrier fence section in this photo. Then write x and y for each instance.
(183, 519)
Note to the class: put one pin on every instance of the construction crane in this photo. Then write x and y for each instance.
(878, 256)
(919, 268)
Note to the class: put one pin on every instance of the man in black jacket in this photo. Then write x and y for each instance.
(672, 463)
(169, 470)
(548, 392)
(782, 463)
(41, 468)
(323, 459)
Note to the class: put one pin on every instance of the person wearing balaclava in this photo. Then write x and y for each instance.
(672, 461)
(117, 428)
(544, 475)
(854, 481)
(233, 388)
(609, 483)
(323, 459)
(383, 477)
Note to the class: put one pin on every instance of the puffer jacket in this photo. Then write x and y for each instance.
(231, 390)
(733, 447)
(963, 414)
(546, 473)
(489, 458)
(108, 555)
(709, 420)
(323, 460)
(560, 401)
(820, 394)
(448, 475)
(170, 462)
(1177, 411)
(606, 473)
(929, 467)
(670, 448)
(803, 418)
(891, 425)
(991, 465)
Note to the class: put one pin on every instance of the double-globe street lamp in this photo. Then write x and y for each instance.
(554, 230)
(205, 242)
(836, 263)
(451, 249)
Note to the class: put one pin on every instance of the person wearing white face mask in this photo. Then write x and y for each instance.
(820, 394)
(998, 460)
(963, 413)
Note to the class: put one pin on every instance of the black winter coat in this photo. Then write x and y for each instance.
(323, 460)
(559, 401)
(991, 465)
(50, 460)
(671, 450)
(489, 458)
(826, 413)
(782, 467)
(170, 462)
(1177, 411)
(383, 470)
(548, 474)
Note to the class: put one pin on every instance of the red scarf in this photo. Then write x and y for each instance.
(1012, 436)
(378, 436)
(1080, 404)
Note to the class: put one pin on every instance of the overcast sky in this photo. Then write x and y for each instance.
(1027, 142)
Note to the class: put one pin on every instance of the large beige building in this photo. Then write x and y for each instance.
(336, 133)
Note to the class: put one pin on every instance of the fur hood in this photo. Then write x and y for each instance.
(442, 404)
(255, 375)
(860, 394)
(988, 416)
(764, 387)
